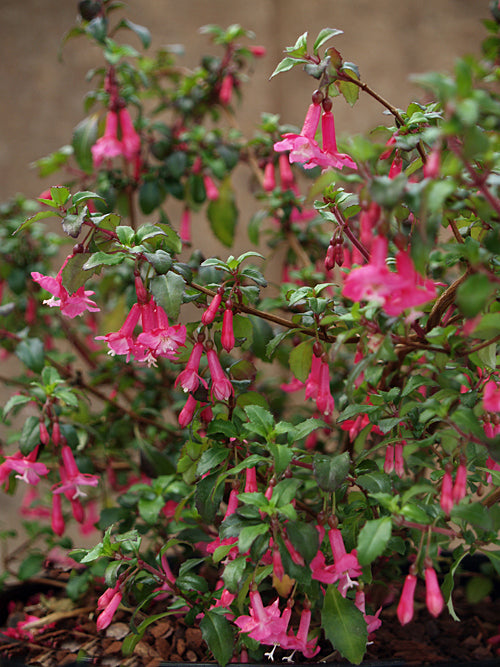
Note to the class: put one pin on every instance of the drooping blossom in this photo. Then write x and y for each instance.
(251, 480)
(71, 478)
(189, 379)
(57, 519)
(399, 463)
(393, 291)
(158, 338)
(405, 606)
(222, 388)
(345, 566)
(264, 624)
(433, 596)
(373, 621)
(460, 485)
(27, 468)
(269, 180)
(185, 228)
(226, 90)
(123, 341)
(119, 138)
(108, 146)
(305, 149)
(71, 305)
(389, 459)
(299, 641)
(431, 166)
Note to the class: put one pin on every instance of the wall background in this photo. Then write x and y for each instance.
(388, 39)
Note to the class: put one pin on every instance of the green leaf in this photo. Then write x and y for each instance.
(85, 195)
(31, 353)
(211, 459)
(41, 215)
(15, 402)
(150, 508)
(304, 538)
(73, 274)
(300, 46)
(287, 64)
(344, 625)
(150, 196)
(218, 633)
(301, 359)
(141, 32)
(208, 496)
(261, 420)
(250, 533)
(72, 222)
(223, 214)
(103, 258)
(324, 36)
(30, 566)
(373, 539)
(168, 291)
(84, 137)
(473, 294)
(331, 471)
(59, 195)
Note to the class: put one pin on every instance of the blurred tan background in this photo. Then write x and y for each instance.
(388, 39)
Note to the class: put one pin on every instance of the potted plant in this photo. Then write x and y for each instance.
(284, 447)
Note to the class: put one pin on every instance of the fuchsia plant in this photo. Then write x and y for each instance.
(260, 514)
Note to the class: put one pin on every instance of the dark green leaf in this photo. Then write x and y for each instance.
(218, 633)
(331, 471)
(84, 137)
(373, 539)
(103, 258)
(168, 291)
(223, 214)
(30, 566)
(208, 496)
(344, 625)
(31, 353)
(323, 37)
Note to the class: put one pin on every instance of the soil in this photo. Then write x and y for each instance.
(71, 634)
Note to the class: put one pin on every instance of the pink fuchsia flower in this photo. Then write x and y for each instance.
(303, 147)
(71, 478)
(389, 459)
(222, 388)
(431, 166)
(324, 398)
(373, 622)
(330, 157)
(286, 174)
(405, 606)
(108, 146)
(264, 624)
(130, 141)
(158, 338)
(187, 413)
(189, 379)
(393, 291)
(433, 597)
(122, 341)
(399, 462)
(299, 642)
(251, 480)
(71, 305)
(27, 468)
(491, 396)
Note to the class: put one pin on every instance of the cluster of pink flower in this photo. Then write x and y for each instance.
(157, 339)
(305, 149)
(119, 138)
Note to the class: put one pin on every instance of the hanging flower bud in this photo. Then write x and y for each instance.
(222, 388)
(286, 174)
(56, 434)
(460, 486)
(399, 466)
(331, 256)
(446, 500)
(269, 182)
(57, 519)
(227, 336)
(226, 90)
(210, 188)
(389, 459)
(405, 606)
(209, 315)
(431, 167)
(106, 616)
(44, 434)
(185, 229)
(187, 412)
(251, 480)
(433, 597)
